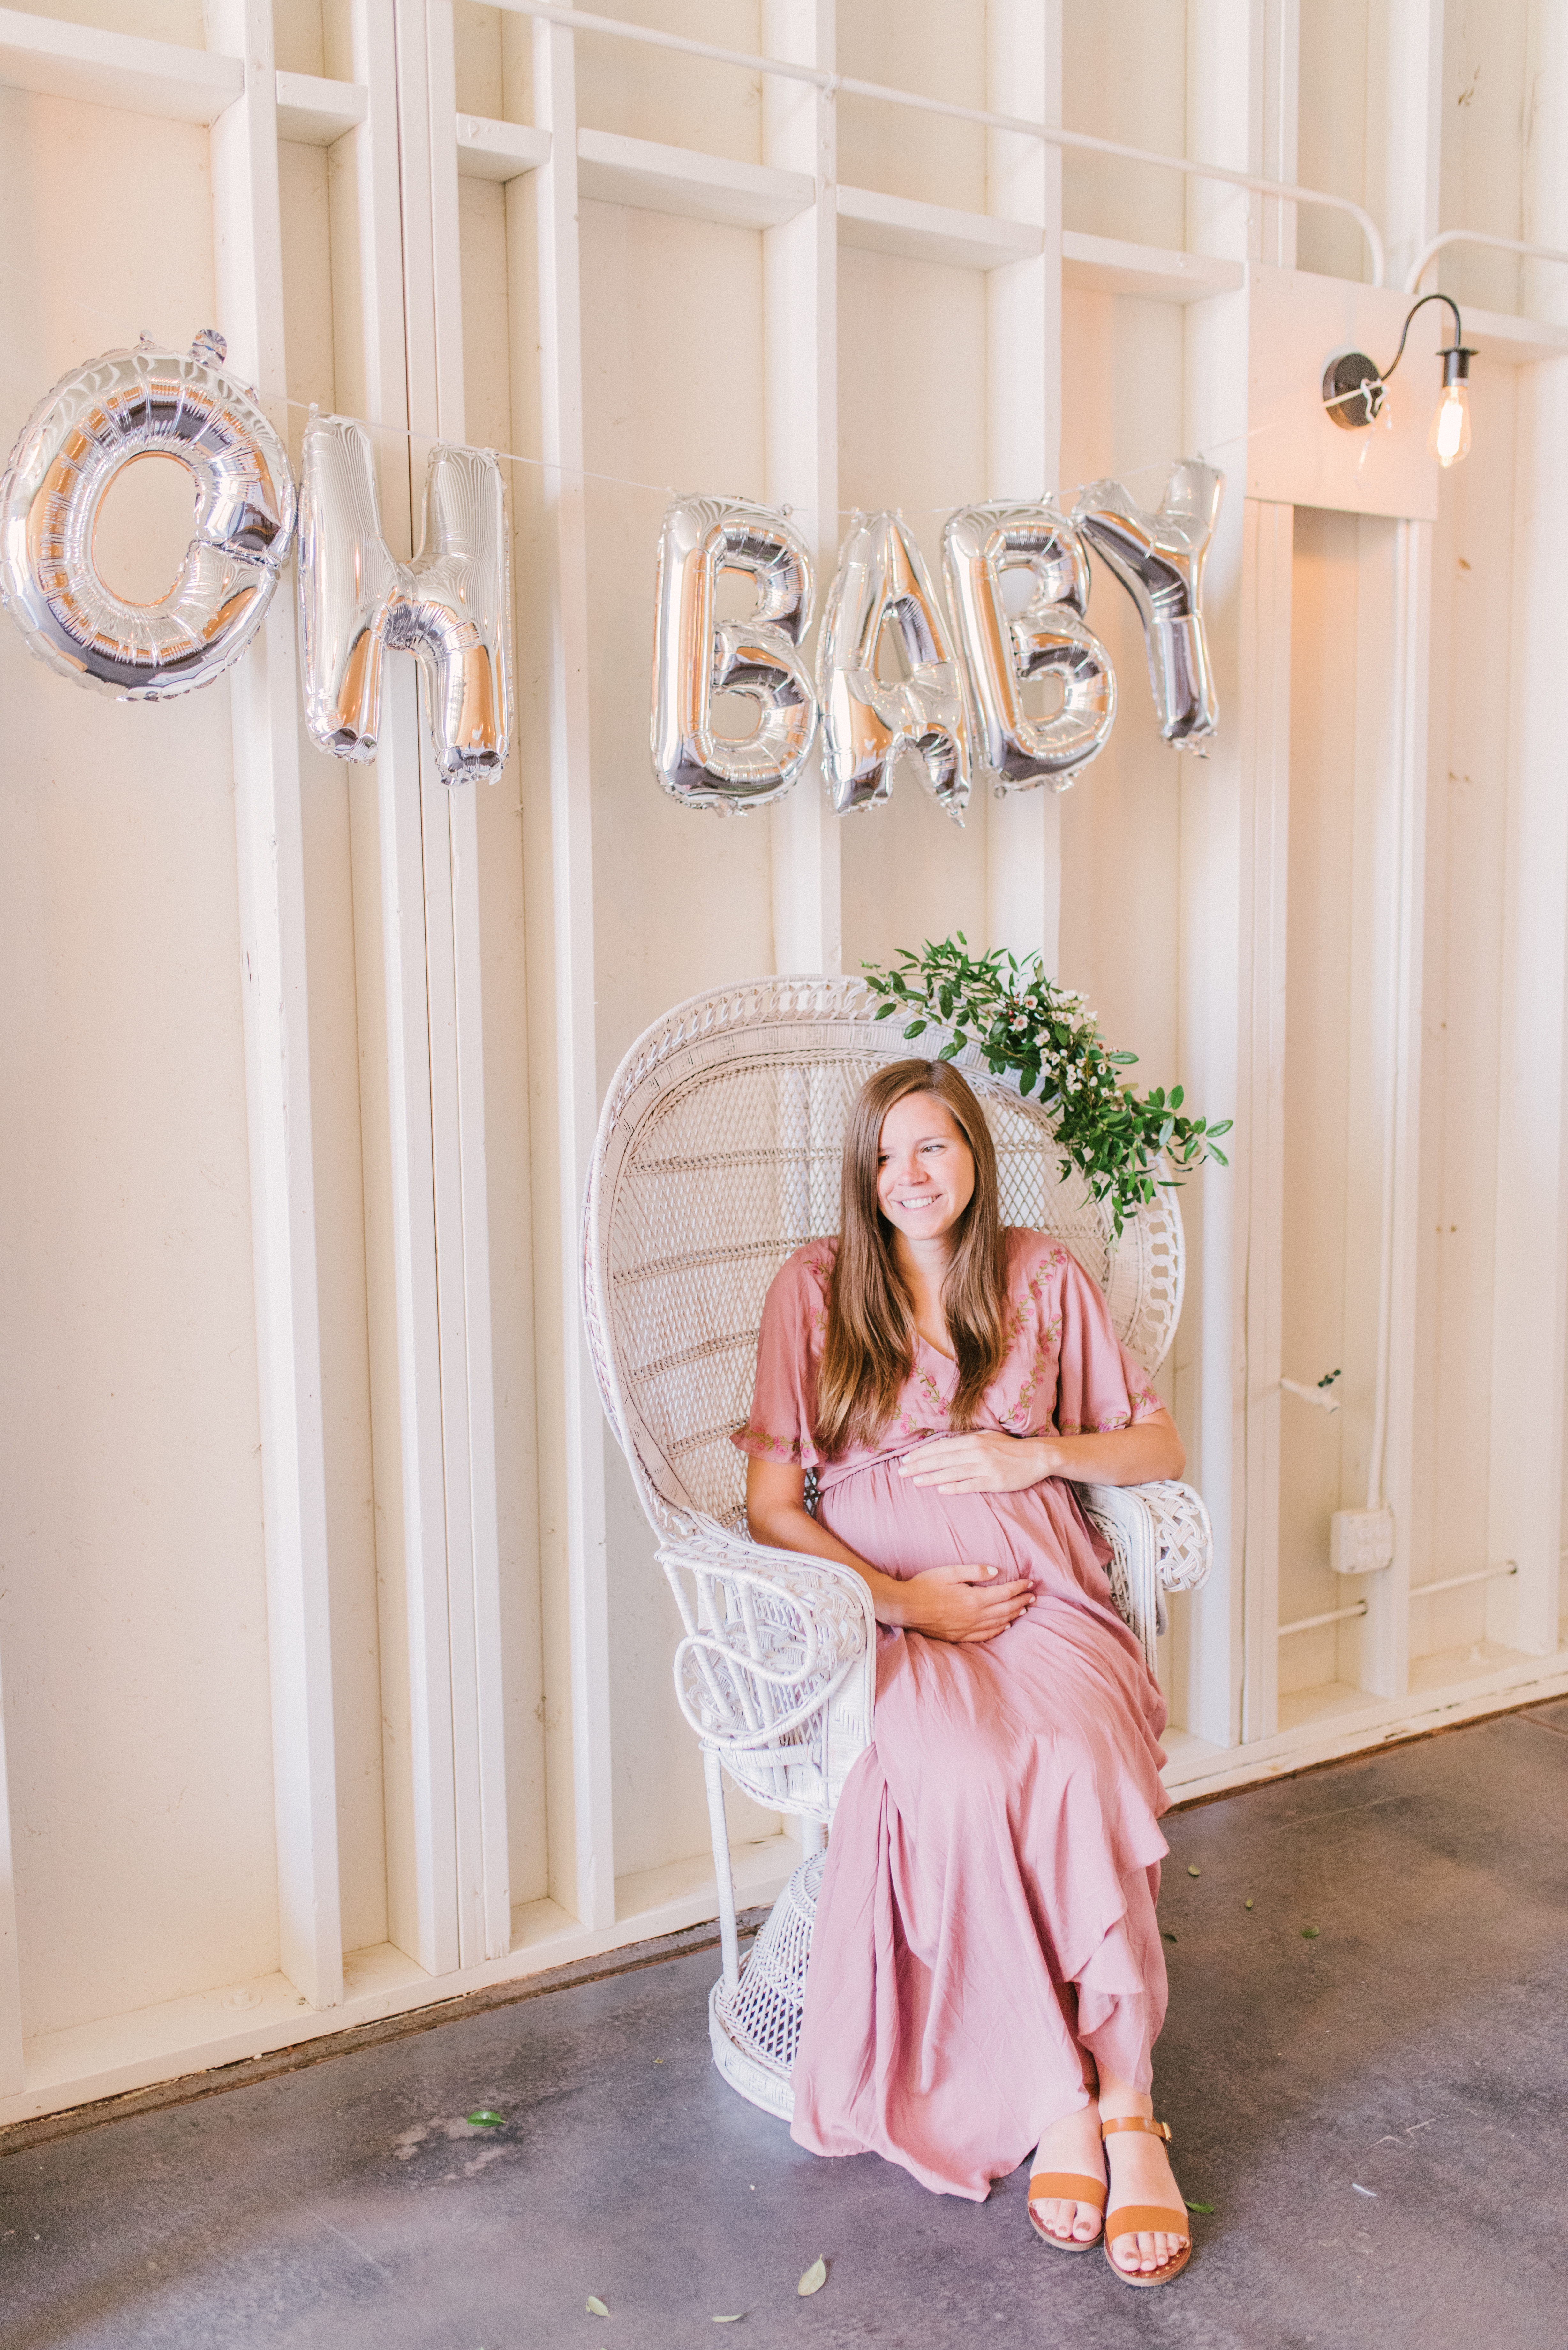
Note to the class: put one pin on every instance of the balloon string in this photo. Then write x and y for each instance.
(625, 481)
(667, 489)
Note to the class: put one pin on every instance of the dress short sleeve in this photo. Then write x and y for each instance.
(1100, 1386)
(784, 1400)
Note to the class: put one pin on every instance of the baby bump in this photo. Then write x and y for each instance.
(903, 1528)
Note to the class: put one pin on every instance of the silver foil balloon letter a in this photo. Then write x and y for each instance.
(696, 657)
(97, 420)
(452, 607)
(870, 726)
(1046, 639)
(1159, 558)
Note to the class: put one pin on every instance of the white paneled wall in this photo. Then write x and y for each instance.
(335, 1658)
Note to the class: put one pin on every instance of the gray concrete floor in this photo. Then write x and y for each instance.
(1376, 2116)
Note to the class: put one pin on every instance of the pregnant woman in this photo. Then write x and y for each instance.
(986, 1971)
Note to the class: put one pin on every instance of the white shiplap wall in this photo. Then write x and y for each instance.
(335, 1665)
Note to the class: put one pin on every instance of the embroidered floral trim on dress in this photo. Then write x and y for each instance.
(750, 1439)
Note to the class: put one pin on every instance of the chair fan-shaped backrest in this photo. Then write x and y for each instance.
(718, 1156)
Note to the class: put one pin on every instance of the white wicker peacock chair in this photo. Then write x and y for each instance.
(717, 1156)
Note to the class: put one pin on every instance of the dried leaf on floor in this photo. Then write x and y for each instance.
(1309, 1933)
(733, 2319)
(1246, 1904)
(815, 2278)
(1169, 1936)
(595, 2306)
(1192, 1870)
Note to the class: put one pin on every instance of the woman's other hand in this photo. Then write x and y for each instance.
(960, 1603)
(983, 1462)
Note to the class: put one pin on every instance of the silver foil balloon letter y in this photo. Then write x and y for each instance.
(1047, 638)
(696, 657)
(1159, 558)
(870, 726)
(452, 607)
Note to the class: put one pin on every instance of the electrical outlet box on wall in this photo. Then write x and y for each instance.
(1361, 1541)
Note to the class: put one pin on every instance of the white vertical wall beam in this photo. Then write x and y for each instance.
(800, 372)
(1233, 829)
(1382, 1141)
(1280, 72)
(267, 816)
(1412, 146)
(427, 136)
(1023, 420)
(1263, 728)
(1530, 1296)
(421, 1851)
(582, 1862)
(1394, 638)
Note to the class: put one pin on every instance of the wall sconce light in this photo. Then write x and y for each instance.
(1353, 390)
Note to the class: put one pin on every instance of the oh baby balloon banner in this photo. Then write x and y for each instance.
(961, 708)
(452, 607)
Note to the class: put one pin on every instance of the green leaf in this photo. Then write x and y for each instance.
(814, 2280)
(485, 2119)
(1310, 1933)
(1207, 2209)
(887, 1010)
(916, 1029)
(595, 2306)
(1192, 1870)
(951, 1051)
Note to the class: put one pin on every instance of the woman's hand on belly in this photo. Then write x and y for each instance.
(983, 1462)
(960, 1604)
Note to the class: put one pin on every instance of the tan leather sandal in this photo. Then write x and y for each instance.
(1145, 2219)
(1065, 2186)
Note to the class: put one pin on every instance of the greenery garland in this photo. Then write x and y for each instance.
(1022, 1020)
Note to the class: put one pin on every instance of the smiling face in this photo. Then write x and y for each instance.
(925, 1169)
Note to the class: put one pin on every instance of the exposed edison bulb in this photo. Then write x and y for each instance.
(1451, 436)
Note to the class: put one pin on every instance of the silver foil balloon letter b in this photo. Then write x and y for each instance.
(1159, 558)
(452, 607)
(869, 725)
(1046, 639)
(696, 657)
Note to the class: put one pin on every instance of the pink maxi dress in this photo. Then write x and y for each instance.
(995, 1854)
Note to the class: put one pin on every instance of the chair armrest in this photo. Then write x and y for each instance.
(1161, 1540)
(776, 1672)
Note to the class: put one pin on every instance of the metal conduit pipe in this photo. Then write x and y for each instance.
(1417, 1591)
(1459, 1582)
(578, 20)
(1334, 1616)
(1429, 252)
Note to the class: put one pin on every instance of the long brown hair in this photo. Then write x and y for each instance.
(870, 1344)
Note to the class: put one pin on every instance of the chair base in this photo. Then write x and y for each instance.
(754, 2030)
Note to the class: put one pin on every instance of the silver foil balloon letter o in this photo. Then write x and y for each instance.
(1159, 558)
(698, 657)
(870, 726)
(452, 607)
(98, 419)
(1046, 639)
